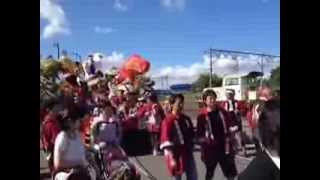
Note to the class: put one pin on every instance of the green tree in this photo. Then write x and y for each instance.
(203, 82)
(50, 68)
(274, 80)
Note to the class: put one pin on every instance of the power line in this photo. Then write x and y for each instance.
(263, 59)
(245, 52)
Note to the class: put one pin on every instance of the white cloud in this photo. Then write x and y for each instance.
(174, 4)
(119, 6)
(222, 66)
(52, 12)
(105, 63)
(104, 30)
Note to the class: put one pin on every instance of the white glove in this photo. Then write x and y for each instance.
(233, 128)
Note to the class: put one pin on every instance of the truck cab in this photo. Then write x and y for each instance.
(244, 86)
(237, 82)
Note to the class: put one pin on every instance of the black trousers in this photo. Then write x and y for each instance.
(227, 164)
(154, 138)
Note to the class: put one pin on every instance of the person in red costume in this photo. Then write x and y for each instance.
(50, 130)
(215, 133)
(232, 108)
(117, 100)
(128, 113)
(85, 126)
(177, 137)
(153, 112)
(264, 94)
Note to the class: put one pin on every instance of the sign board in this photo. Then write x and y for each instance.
(252, 95)
(181, 87)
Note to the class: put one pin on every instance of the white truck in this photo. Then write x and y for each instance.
(237, 82)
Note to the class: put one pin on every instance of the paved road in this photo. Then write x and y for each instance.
(157, 167)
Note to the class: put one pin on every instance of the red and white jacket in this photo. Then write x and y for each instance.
(234, 106)
(154, 115)
(205, 135)
(177, 135)
(129, 118)
(253, 115)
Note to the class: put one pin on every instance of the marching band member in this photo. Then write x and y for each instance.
(69, 151)
(107, 127)
(50, 129)
(167, 107)
(231, 106)
(266, 164)
(215, 133)
(264, 94)
(128, 112)
(154, 114)
(177, 137)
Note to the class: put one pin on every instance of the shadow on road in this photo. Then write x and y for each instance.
(44, 176)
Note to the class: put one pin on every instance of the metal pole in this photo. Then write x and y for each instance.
(210, 75)
(262, 69)
(210, 83)
(58, 48)
(167, 82)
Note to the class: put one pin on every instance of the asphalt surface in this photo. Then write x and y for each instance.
(156, 166)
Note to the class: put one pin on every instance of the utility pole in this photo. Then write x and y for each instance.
(167, 82)
(237, 67)
(57, 45)
(210, 51)
(162, 82)
(262, 67)
(261, 63)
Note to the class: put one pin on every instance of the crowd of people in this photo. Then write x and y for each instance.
(96, 116)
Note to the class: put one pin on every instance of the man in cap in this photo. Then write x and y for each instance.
(232, 107)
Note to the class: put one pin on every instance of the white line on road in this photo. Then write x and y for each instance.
(244, 158)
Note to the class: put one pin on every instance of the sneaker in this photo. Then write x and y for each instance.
(155, 153)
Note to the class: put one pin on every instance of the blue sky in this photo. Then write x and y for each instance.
(167, 32)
